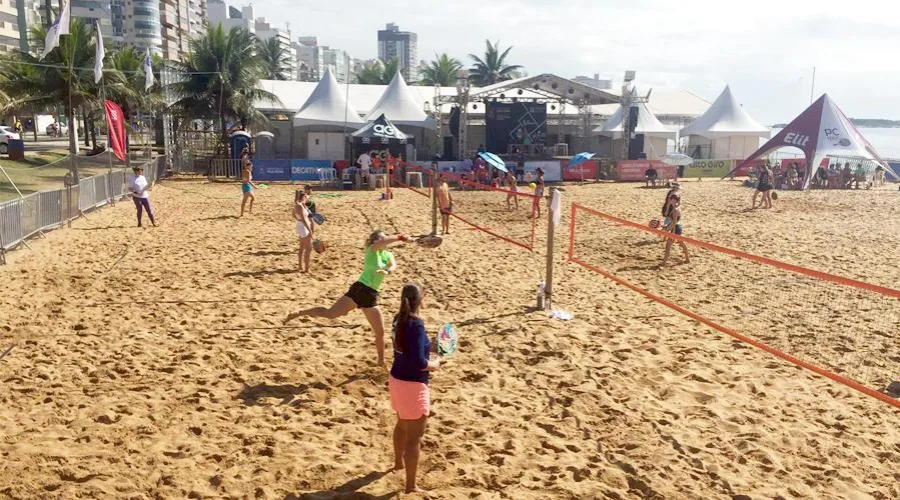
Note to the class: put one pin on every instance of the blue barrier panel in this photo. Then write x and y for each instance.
(272, 170)
(307, 170)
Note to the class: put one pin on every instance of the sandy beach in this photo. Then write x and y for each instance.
(153, 362)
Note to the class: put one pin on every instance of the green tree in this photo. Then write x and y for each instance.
(492, 68)
(64, 78)
(219, 78)
(275, 58)
(441, 71)
(377, 72)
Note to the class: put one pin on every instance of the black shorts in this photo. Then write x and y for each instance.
(363, 296)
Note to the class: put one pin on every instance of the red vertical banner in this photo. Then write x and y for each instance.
(115, 119)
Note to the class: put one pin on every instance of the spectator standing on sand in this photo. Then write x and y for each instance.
(140, 194)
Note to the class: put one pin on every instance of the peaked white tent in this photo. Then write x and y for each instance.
(319, 129)
(327, 105)
(399, 105)
(822, 130)
(724, 131)
(655, 133)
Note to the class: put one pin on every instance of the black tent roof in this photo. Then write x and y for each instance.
(380, 131)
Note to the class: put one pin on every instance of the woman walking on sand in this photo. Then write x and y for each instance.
(363, 294)
(247, 184)
(672, 212)
(304, 231)
(139, 188)
(408, 382)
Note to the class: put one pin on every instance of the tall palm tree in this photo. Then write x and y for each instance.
(275, 58)
(492, 68)
(441, 71)
(219, 78)
(377, 72)
(63, 78)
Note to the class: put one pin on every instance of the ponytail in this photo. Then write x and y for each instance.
(375, 236)
(410, 300)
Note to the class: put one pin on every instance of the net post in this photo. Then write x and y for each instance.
(434, 200)
(548, 281)
(572, 232)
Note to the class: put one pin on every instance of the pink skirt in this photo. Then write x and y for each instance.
(411, 400)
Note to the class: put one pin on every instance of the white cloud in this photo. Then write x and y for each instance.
(765, 49)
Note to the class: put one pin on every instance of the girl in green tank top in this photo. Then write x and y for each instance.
(363, 294)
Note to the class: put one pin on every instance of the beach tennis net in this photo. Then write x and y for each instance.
(840, 328)
(504, 214)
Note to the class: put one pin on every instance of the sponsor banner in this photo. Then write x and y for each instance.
(633, 170)
(308, 170)
(272, 170)
(584, 170)
(552, 171)
(708, 168)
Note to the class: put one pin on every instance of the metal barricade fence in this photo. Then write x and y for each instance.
(50, 211)
(86, 194)
(10, 224)
(224, 167)
(28, 215)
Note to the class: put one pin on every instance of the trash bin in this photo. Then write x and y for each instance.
(16, 149)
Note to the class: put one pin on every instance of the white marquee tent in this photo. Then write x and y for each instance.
(399, 105)
(724, 131)
(656, 135)
(320, 127)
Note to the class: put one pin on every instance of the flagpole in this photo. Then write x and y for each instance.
(73, 127)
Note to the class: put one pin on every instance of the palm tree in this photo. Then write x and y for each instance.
(493, 67)
(441, 71)
(377, 72)
(129, 92)
(60, 79)
(219, 78)
(275, 58)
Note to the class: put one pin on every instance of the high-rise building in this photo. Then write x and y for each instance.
(311, 57)
(264, 31)
(9, 26)
(92, 11)
(338, 62)
(219, 12)
(142, 25)
(118, 17)
(402, 46)
(196, 17)
(174, 28)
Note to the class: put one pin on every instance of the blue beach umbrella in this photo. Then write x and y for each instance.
(579, 159)
(494, 161)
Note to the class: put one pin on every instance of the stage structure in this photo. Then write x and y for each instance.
(543, 89)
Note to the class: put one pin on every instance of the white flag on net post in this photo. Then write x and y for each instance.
(556, 206)
(60, 27)
(148, 71)
(98, 56)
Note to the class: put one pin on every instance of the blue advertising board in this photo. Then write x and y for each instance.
(308, 170)
(272, 170)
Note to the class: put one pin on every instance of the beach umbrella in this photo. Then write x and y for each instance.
(677, 159)
(494, 161)
(579, 159)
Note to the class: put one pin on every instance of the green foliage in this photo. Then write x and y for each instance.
(441, 71)
(492, 68)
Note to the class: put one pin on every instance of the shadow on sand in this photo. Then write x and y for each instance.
(347, 490)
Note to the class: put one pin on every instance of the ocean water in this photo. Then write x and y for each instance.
(885, 140)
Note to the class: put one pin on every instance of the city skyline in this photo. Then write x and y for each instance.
(765, 50)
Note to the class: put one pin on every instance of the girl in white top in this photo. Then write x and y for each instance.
(305, 228)
(139, 189)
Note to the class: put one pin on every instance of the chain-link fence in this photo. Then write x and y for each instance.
(32, 214)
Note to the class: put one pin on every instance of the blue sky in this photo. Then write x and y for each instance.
(764, 49)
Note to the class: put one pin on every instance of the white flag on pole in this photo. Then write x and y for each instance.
(98, 56)
(148, 71)
(556, 206)
(60, 27)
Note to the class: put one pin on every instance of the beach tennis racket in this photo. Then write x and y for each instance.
(654, 223)
(318, 219)
(318, 246)
(263, 186)
(447, 340)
